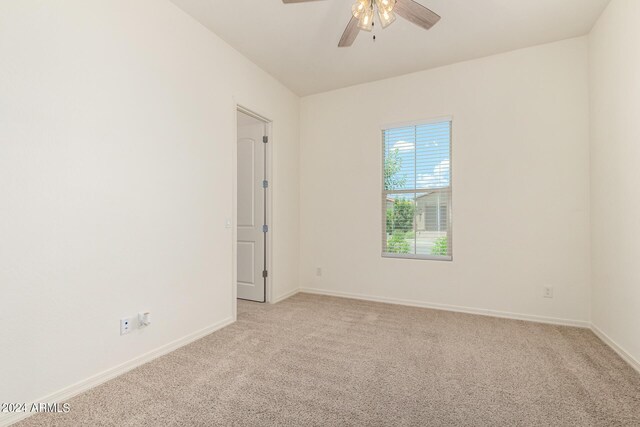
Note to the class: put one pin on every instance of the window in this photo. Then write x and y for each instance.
(416, 195)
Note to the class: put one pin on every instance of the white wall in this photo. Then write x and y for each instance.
(615, 173)
(117, 133)
(520, 184)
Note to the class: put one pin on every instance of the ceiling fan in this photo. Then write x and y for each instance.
(363, 12)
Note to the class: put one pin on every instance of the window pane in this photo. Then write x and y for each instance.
(417, 190)
(432, 219)
(433, 155)
(399, 159)
(399, 237)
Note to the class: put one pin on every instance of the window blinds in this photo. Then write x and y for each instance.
(416, 196)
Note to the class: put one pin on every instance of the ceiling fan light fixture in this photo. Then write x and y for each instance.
(387, 5)
(366, 18)
(364, 12)
(359, 7)
(386, 15)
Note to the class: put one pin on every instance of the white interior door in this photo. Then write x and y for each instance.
(251, 209)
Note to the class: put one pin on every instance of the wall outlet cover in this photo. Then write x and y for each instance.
(125, 326)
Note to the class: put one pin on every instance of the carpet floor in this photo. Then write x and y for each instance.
(324, 361)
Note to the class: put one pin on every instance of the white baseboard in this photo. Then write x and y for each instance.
(626, 356)
(458, 309)
(91, 382)
(285, 296)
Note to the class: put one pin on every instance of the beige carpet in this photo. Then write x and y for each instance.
(314, 360)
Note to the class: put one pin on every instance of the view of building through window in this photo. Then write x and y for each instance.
(417, 191)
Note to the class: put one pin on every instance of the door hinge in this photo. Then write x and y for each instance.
(265, 274)
(265, 228)
(265, 184)
(265, 139)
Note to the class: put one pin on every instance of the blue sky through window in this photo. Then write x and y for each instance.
(424, 154)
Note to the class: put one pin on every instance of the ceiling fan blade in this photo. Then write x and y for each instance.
(350, 33)
(296, 1)
(416, 13)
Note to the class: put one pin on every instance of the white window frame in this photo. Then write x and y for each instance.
(384, 192)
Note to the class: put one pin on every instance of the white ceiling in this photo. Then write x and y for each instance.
(297, 43)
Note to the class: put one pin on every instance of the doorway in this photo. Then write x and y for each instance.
(252, 226)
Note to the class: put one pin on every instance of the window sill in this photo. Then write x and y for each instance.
(422, 257)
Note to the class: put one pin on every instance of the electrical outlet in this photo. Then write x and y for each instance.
(125, 326)
(547, 292)
(144, 319)
(318, 271)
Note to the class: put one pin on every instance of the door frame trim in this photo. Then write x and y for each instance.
(269, 205)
